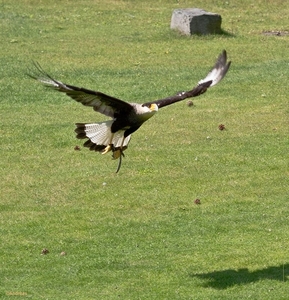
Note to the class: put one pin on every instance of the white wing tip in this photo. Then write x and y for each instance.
(219, 70)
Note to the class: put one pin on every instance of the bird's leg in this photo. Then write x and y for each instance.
(118, 152)
(108, 147)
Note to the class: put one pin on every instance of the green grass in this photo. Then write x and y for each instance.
(139, 234)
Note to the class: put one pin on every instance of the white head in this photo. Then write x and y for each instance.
(144, 112)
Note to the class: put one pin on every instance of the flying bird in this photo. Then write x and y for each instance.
(114, 135)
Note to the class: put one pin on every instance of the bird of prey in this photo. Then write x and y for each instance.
(114, 135)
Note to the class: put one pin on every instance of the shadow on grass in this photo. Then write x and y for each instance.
(227, 33)
(177, 34)
(227, 278)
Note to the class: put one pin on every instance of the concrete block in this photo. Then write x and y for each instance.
(196, 21)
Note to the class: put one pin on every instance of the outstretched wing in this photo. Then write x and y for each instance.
(217, 73)
(219, 70)
(100, 102)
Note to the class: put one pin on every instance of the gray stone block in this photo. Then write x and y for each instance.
(196, 21)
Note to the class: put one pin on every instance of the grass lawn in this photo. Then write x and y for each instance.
(139, 234)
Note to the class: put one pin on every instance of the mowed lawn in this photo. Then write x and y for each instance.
(70, 228)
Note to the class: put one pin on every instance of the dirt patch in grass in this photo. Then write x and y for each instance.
(276, 32)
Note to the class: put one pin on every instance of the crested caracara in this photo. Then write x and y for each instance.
(114, 135)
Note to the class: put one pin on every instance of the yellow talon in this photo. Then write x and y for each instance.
(106, 149)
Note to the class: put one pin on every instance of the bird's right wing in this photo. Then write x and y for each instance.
(100, 102)
(219, 70)
(217, 73)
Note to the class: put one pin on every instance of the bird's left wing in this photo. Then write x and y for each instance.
(217, 73)
(100, 102)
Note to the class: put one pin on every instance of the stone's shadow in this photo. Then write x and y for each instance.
(227, 33)
(228, 278)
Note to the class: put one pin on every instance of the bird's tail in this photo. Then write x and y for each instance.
(101, 139)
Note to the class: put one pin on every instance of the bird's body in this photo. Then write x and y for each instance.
(114, 135)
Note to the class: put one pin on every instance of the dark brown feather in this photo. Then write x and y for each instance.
(198, 90)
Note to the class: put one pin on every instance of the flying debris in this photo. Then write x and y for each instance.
(115, 134)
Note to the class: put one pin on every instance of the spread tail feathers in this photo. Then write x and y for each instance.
(101, 139)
